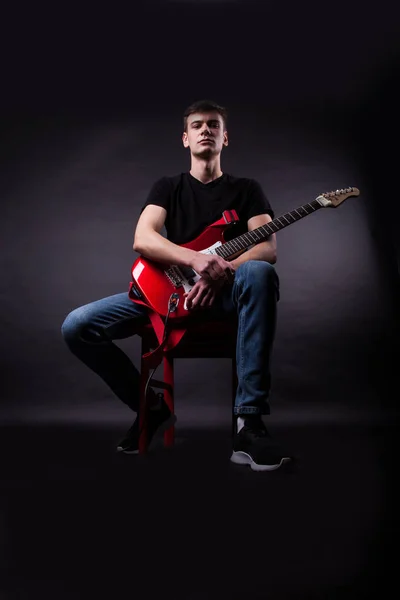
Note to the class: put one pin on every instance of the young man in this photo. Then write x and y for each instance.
(245, 288)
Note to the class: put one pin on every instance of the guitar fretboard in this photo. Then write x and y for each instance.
(244, 241)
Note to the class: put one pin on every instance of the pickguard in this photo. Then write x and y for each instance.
(187, 277)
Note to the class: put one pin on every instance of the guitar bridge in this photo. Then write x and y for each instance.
(174, 276)
(177, 275)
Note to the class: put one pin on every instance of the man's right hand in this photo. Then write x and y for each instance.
(211, 266)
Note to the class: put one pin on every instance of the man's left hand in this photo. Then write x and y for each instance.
(203, 293)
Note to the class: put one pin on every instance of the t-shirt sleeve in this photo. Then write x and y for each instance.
(160, 194)
(257, 201)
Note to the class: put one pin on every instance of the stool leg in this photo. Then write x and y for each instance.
(169, 435)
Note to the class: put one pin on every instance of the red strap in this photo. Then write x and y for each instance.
(172, 338)
(230, 216)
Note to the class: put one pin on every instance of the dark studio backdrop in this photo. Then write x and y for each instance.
(91, 114)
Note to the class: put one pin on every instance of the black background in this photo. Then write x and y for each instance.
(91, 114)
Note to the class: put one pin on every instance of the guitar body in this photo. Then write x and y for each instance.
(155, 282)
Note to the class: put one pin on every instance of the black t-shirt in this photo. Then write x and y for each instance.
(192, 205)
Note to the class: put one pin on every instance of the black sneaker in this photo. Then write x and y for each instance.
(159, 420)
(253, 446)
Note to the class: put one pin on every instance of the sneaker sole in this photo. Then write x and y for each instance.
(242, 458)
(161, 430)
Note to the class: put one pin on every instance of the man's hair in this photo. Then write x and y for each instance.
(202, 106)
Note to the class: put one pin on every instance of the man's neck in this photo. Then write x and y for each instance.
(206, 171)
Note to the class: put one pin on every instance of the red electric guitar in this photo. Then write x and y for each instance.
(157, 284)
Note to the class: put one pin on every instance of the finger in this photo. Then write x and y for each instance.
(208, 275)
(230, 274)
(202, 297)
(189, 298)
(196, 298)
(219, 266)
(214, 273)
(207, 293)
(191, 294)
(208, 300)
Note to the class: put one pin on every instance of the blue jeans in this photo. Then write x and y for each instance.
(89, 332)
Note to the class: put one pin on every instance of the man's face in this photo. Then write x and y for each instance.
(205, 134)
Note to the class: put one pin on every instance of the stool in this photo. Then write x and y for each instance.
(203, 339)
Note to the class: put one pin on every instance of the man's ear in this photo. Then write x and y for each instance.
(185, 140)
(225, 142)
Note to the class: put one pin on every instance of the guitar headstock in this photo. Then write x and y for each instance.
(333, 199)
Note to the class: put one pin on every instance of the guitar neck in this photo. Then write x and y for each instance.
(241, 243)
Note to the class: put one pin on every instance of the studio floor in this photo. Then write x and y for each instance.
(80, 521)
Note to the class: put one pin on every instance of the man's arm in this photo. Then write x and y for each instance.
(150, 243)
(264, 250)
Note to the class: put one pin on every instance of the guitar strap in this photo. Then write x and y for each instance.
(167, 338)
